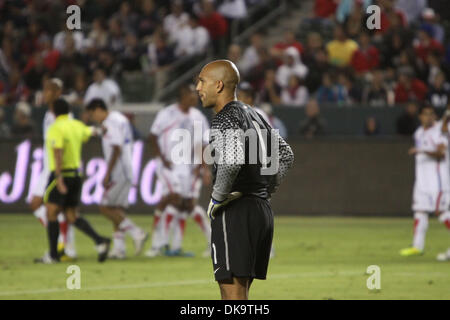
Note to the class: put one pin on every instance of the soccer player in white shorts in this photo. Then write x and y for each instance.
(179, 182)
(52, 91)
(431, 193)
(189, 182)
(117, 143)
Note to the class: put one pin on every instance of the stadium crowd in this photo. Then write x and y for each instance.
(332, 60)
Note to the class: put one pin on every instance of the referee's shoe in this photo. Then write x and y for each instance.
(103, 249)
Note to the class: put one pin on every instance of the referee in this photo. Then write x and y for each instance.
(65, 138)
(242, 217)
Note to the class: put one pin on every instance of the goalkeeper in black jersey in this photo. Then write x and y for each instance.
(249, 161)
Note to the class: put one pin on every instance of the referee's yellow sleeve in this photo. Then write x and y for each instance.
(87, 132)
(55, 138)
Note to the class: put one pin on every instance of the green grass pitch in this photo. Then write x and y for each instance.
(316, 258)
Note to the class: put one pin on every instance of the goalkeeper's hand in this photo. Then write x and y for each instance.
(215, 205)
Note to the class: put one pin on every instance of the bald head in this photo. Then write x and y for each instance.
(225, 71)
(217, 81)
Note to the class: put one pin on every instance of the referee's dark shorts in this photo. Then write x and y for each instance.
(72, 180)
(241, 239)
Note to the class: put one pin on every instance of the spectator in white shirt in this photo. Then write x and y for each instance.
(103, 88)
(201, 36)
(175, 21)
(250, 58)
(411, 8)
(292, 66)
(60, 39)
(184, 41)
(233, 9)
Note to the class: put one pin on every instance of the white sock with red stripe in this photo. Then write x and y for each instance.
(420, 230)
(200, 218)
(119, 241)
(178, 228)
(156, 218)
(129, 227)
(158, 225)
(63, 225)
(41, 214)
(160, 236)
(445, 219)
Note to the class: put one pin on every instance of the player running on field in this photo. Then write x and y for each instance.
(431, 193)
(65, 138)
(66, 242)
(181, 183)
(117, 142)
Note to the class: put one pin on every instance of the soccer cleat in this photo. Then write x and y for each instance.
(60, 248)
(139, 242)
(155, 252)
(409, 252)
(46, 259)
(117, 254)
(179, 253)
(67, 258)
(103, 249)
(70, 251)
(444, 256)
(152, 253)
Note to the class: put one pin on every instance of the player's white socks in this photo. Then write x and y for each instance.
(420, 230)
(445, 219)
(119, 241)
(160, 235)
(156, 218)
(66, 230)
(200, 218)
(70, 249)
(178, 227)
(63, 226)
(41, 214)
(158, 224)
(129, 227)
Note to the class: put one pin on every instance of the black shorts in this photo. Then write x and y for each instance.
(72, 180)
(241, 239)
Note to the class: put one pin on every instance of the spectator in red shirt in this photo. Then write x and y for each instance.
(409, 88)
(215, 23)
(426, 44)
(367, 57)
(388, 14)
(49, 55)
(289, 40)
(325, 8)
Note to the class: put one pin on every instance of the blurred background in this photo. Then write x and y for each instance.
(345, 97)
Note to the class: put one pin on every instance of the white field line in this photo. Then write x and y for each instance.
(202, 282)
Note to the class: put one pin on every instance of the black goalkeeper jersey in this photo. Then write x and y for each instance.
(245, 153)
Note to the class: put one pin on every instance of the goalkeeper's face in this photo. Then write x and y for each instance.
(207, 90)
